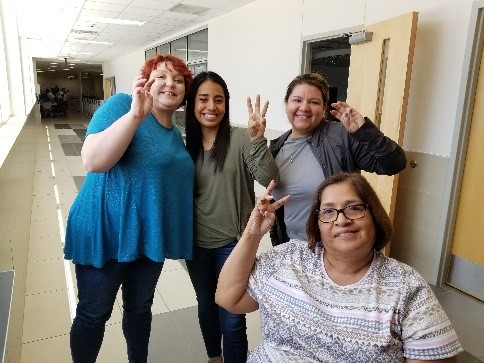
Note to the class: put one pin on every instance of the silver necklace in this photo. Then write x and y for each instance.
(292, 156)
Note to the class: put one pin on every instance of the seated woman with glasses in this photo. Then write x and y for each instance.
(335, 298)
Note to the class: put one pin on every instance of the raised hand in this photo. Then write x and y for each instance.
(349, 117)
(257, 118)
(142, 103)
(263, 215)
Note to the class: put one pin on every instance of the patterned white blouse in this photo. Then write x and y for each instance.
(390, 315)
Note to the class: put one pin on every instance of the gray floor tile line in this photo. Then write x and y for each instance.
(45, 339)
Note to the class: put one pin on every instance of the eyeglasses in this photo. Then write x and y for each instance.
(353, 211)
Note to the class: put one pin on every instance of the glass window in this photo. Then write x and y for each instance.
(193, 49)
(198, 47)
(150, 53)
(163, 49)
(179, 48)
(198, 68)
(5, 109)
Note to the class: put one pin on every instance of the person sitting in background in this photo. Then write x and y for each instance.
(316, 148)
(45, 104)
(335, 298)
(49, 94)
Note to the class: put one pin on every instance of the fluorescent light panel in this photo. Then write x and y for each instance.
(96, 19)
(88, 41)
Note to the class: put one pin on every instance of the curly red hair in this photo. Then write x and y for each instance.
(178, 64)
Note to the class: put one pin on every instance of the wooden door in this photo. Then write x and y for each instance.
(467, 252)
(107, 88)
(378, 86)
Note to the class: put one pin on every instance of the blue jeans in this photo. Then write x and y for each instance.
(97, 289)
(215, 321)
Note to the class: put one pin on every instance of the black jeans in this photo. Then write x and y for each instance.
(97, 289)
(215, 321)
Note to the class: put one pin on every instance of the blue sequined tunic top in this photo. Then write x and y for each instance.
(142, 206)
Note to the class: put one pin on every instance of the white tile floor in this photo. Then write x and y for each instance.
(175, 336)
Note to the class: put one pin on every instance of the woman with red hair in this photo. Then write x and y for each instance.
(134, 208)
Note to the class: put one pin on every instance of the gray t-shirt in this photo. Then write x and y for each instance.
(300, 176)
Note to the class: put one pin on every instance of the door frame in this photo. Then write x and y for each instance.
(307, 40)
(465, 104)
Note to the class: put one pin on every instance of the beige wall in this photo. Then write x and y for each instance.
(16, 194)
(418, 211)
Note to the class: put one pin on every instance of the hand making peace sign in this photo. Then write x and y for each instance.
(257, 118)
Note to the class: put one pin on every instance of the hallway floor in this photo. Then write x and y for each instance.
(175, 336)
(51, 296)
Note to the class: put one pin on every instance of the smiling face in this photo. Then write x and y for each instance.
(209, 105)
(304, 109)
(168, 90)
(345, 236)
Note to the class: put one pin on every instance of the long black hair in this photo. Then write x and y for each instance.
(193, 130)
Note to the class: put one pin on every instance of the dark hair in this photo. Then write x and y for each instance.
(314, 79)
(381, 220)
(178, 65)
(193, 129)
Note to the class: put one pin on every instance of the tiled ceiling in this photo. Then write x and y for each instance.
(57, 30)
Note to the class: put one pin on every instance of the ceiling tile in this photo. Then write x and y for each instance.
(68, 17)
(87, 13)
(102, 6)
(154, 4)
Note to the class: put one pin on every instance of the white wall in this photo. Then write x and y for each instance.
(124, 70)
(13, 59)
(257, 49)
(440, 44)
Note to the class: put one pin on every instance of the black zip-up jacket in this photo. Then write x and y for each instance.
(337, 150)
